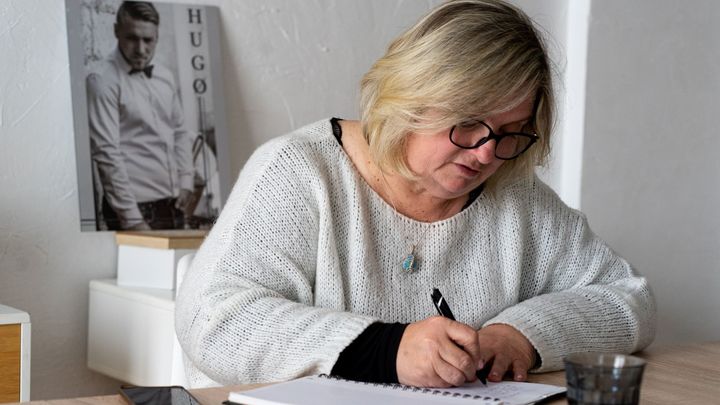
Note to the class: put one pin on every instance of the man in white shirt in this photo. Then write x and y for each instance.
(138, 139)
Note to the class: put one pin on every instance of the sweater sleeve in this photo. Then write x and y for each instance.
(576, 294)
(372, 356)
(246, 311)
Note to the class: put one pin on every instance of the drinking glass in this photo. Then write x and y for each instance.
(603, 378)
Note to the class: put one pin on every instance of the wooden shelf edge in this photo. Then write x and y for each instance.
(170, 239)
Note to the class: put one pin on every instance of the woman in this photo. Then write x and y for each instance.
(326, 253)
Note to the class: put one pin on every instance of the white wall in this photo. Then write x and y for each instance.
(651, 179)
(286, 62)
(563, 23)
(45, 262)
(552, 17)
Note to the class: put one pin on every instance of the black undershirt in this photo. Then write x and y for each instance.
(372, 355)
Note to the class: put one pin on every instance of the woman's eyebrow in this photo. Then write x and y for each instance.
(518, 121)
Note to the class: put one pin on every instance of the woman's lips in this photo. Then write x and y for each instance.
(466, 170)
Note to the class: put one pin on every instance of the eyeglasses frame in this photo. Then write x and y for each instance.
(497, 137)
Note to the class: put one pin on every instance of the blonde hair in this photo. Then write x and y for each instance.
(466, 58)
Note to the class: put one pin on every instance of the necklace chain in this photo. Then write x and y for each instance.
(410, 262)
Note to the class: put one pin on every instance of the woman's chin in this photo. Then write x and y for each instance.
(459, 189)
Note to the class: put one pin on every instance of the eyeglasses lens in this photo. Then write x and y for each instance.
(510, 146)
(468, 134)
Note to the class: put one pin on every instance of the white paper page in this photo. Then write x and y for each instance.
(511, 392)
(320, 391)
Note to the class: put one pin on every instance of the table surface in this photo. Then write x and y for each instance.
(687, 374)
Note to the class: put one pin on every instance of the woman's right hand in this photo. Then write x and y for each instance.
(437, 352)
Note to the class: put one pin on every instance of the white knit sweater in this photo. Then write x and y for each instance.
(305, 256)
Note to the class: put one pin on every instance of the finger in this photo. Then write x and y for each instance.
(485, 357)
(448, 375)
(459, 359)
(484, 371)
(520, 369)
(499, 367)
(465, 337)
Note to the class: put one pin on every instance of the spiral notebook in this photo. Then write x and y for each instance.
(328, 390)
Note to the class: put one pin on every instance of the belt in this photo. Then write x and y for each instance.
(165, 202)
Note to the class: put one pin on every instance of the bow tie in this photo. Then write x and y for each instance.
(147, 70)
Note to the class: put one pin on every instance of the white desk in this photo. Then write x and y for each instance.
(14, 355)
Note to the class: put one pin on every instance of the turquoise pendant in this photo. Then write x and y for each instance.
(410, 263)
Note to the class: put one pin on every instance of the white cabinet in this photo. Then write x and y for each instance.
(131, 319)
(149, 258)
(131, 334)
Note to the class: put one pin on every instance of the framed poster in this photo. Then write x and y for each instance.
(149, 116)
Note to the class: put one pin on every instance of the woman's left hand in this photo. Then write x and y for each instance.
(507, 349)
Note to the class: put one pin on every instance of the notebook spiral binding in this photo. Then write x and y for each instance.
(431, 391)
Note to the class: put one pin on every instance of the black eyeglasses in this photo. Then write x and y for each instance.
(473, 134)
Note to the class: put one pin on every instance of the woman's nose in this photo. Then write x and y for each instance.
(485, 154)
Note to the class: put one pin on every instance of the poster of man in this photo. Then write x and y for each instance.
(148, 114)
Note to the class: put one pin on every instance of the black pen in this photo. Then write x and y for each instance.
(444, 310)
